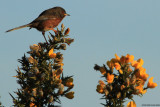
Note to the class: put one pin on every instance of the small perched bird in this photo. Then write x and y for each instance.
(46, 21)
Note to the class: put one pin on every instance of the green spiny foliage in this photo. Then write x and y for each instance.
(41, 75)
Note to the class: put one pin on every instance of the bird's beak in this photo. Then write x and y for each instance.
(66, 14)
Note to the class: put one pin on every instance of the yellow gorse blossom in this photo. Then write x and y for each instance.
(151, 84)
(140, 90)
(131, 104)
(101, 83)
(137, 64)
(110, 78)
(120, 71)
(141, 73)
(129, 58)
(131, 78)
(32, 105)
(117, 57)
(51, 54)
(117, 66)
(100, 87)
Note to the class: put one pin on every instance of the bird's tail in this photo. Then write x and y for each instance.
(20, 27)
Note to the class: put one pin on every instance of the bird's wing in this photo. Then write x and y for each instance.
(48, 12)
(43, 18)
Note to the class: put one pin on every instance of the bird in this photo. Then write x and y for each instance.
(47, 20)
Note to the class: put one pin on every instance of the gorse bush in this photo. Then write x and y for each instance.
(41, 75)
(123, 78)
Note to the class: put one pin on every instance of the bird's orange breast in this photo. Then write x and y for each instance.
(48, 24)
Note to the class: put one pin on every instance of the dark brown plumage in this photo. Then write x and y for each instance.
(47, 20)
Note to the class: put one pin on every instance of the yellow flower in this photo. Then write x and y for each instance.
(118, 94)
(120, 71)
(70, 95)
(102, 70)
(140, 61)
(131, 104)
(61, 89)
(51, 54)
(32, 105)
(101, 83)
(129, 58)
(110, 78)
(100, 89)
(151, 84)
(137, 64)
(140, 89)
(117, 57)
(69, 82)
(141, 73)
(117, 66)
(144, 91)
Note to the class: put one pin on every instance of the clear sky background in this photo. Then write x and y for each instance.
(100, 28)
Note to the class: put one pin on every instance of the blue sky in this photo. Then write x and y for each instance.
(100, 28)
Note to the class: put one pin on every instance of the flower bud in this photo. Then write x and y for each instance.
(69, 82)
(50, 99)
(34, 47)
(67, 31)
(63, 46)
(62, 25)
(118, 94)
(59, 71)
(31, 60)
(110, 87)
(34, 92)
(68, 40)
(122, 87)
(61, 89)
(127, 82)
(106, 92)
(133, 79)
(32, 99)
(102, 70)
(70, 95)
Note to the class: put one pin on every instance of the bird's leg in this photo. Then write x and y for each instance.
(43, 33)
